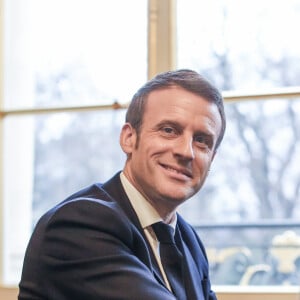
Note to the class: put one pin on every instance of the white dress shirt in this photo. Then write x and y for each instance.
(147, 216)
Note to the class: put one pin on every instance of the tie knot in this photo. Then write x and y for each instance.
(164, 232)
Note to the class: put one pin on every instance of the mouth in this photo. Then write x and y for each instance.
(178, 170)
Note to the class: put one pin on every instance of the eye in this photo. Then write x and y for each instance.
(199, 139)
(168, 130)
(203, 141)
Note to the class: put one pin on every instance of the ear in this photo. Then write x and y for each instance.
(128, 138)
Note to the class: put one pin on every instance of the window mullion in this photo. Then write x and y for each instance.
(161, 36)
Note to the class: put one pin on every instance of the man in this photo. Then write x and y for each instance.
(102, 242)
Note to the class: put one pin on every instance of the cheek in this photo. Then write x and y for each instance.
(203, 161)
(155, 147)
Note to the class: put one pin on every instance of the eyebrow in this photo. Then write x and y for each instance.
(169, 122)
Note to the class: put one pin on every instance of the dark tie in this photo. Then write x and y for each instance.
(171, 258)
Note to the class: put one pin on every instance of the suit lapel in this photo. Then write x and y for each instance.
(192, 277)
(197, 260)
(195, 247)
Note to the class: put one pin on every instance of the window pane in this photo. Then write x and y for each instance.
(73, 150)
(241, 44)
(65, 52)
(258, 254)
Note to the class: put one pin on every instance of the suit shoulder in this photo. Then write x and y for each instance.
(94, 191)
(89, 210)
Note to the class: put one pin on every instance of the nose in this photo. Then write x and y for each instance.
(184, 148)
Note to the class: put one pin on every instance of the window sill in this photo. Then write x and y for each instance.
(257, 292)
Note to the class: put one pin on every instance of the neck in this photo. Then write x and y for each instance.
(169, 218)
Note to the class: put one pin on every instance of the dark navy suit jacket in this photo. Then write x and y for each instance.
(91, 246)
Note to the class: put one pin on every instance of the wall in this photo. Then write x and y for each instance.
(8, 293)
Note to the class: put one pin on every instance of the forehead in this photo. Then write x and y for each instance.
(176, 102)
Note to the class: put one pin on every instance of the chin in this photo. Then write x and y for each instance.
(177, 198)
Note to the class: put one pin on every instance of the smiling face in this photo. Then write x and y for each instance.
(169, 161)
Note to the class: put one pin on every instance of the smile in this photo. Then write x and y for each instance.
(180, 171)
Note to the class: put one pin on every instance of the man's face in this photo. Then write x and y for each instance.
(175, 148)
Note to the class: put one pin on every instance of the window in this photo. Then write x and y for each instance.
(248, 212)
(65, 59)
(61, 54)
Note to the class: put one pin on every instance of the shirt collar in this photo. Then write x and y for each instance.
(146, 213)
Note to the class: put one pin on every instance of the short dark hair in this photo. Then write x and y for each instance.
(184, 78)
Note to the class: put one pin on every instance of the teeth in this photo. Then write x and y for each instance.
(173, 170)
